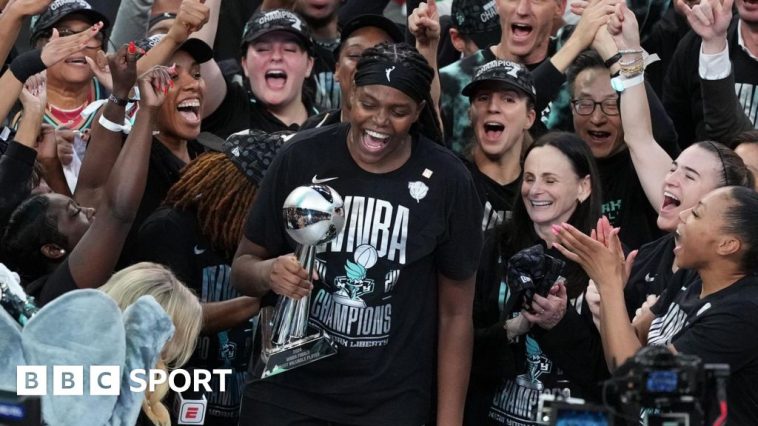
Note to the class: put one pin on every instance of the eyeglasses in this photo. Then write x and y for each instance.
(587, 106)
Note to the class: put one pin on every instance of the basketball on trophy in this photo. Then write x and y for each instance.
(313, 214)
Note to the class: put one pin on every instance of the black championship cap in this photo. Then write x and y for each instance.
(363, 21)
(477, 20)
(277, 20)
(505, 73)
(60, 9)
(252, 151)
(197, 48)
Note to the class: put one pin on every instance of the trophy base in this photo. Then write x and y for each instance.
(292, 355)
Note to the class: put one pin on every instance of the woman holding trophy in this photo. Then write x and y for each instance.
(396, 283)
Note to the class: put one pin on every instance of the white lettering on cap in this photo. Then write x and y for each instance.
(58, 3)
(281, 14)
(489, 11)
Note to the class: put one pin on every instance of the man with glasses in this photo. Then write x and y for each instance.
(597, 120)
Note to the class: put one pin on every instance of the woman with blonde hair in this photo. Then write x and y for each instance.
(152, 279)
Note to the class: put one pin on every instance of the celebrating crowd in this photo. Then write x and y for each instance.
(611, 146)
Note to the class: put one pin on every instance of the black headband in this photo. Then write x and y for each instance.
(395, 75)
(721, 159)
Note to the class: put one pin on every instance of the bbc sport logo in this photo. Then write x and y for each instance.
(106, 379)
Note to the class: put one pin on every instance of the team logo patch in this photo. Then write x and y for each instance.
(418, 190)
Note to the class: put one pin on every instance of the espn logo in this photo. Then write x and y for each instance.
(190, 411)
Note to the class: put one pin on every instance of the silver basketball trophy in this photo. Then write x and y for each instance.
(313, 215)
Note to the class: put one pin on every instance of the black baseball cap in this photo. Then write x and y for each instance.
(508, 74)
(477, 20)
(252, 151)
(369, 20)
(60, 9)
(262, 23)
(197, 48)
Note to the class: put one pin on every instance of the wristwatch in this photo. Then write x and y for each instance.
(621, 83)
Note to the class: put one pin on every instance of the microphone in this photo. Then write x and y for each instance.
(189, 408)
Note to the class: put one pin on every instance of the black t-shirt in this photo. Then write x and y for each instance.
(240, 110)
(719, 328)
(498, 199)
(163, 171)
(651, 272)
(413, 223)
(625, 202)
(173, 238)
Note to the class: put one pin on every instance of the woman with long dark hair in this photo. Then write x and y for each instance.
(511, 368)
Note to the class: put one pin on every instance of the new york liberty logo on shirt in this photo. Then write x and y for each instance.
(355, 304)
(354, 283)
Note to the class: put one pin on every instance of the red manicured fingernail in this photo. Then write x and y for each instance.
(132, 49)
(171, 83)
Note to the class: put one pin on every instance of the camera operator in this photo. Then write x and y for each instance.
(713, 315)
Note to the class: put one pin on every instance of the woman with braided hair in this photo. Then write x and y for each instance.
(412, 230)
(195, 234)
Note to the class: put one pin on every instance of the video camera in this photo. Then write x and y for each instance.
(667, 388)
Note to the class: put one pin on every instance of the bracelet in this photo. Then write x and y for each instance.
(630, 51)
(118, 101)
(109, 125)
(27, 64)
(632, 71)
(622, 83)
(613, 59)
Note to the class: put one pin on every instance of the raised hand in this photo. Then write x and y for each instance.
(192, 15)
(594, 14)
(33, 96)
(99, 67)
(624, 28)
(59, 48)
(154, 85)
(605, 265)
(424, 23)
(23, 8)
(710, 20)
(123, 68)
